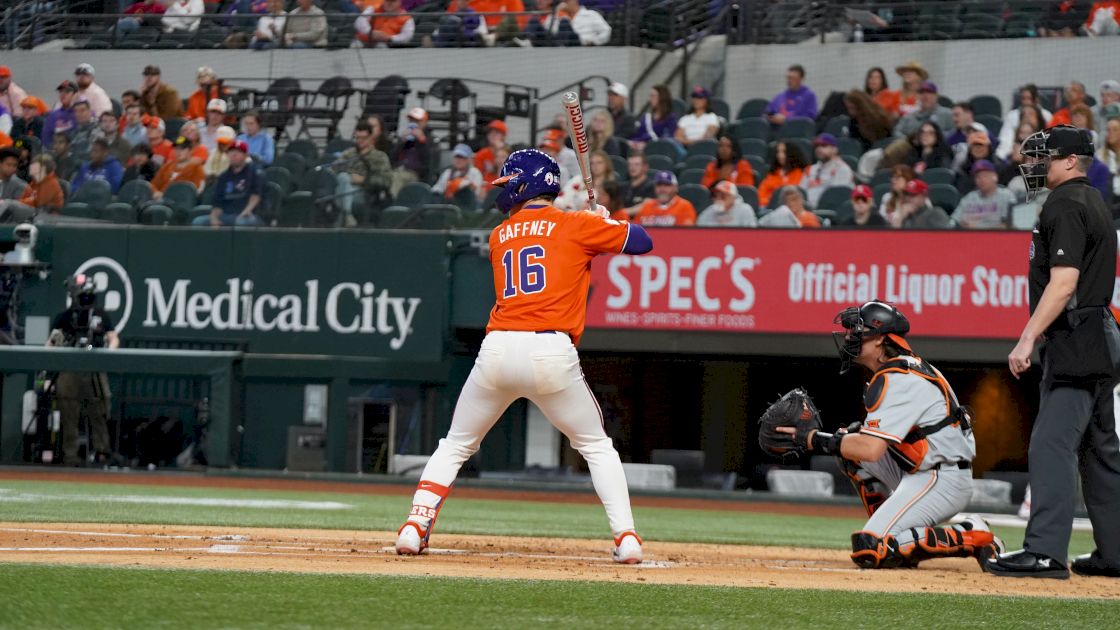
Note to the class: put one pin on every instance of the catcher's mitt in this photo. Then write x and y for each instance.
(795, 409)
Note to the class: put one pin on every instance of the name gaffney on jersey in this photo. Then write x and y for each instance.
(528, 228)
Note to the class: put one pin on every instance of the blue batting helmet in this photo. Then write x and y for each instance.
(527, 173)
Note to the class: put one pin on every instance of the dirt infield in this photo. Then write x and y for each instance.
(363, 552)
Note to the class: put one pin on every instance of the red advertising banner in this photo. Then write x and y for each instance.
(950, 284)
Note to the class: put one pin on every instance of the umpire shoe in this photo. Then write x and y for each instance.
(1027, 564)
(1092, 565)
(627, 548)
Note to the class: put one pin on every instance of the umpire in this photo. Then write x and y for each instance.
(1071, 278)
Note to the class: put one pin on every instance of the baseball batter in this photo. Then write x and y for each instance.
(542, 264)
(910, 459)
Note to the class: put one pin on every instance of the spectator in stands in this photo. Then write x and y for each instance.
(862, 214)
(589, 26)
(30, 122)
(565, 156)
(1104, 19)
(209, 88)
(218, 161)
(82, 133)
(929, 149)
(1031, 115)
(140, 165)
(504, 27)
(270, 28)
(486, 159)
(600, 133)
(381, 27)
(43, 193)
(238, 193)
(1008, 170)
(61, 119)
(161, 147)
(11, 95)
(667, 207)
(134, 15)
(928, 110)
(364, 173)
(199, 153)
(412, 152)
(11, 185)
(700, 123)
(875, 86)
(261, 145)
(461, 174)
(182, 168)
(101, 165)
(1075, 95)
(107, 131)
(963, 120)
(128, 97)
(829, 170)
(979, 148)
(728, 209)
(870, 123)
(796, 101)
(553, 148)
(134, 131)
(5, 121)
(792, 213)
(305, 26)
(913, 76)
(787, 168)
(916, 211)
(1109, 94)
(157, 98)
(617, 97)
(1081, 116)
(573, 194)
(215, 118)
(1064, 18)
(610, 196)
(989, 205)
(90, 91)
(729, 165)
(1109, 154)
(65, 164)
(640, 184)
(462, 26)
(182, 16)
(658, 122)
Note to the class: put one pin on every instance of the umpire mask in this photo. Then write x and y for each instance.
(872, 318)
(1042, 146)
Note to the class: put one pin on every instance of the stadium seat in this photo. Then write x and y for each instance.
(64, 184)
(414, 195)
(294, 162)
(845, 212)
(680, 107)
(755, 128)
(327, 106)
(180, 197)
(667, 148)
(336, 146)
(619, 164)
(659, 162)
(394, 216)
(849, 147)
(119, 212)
(698, 161)
(304, 148)
(490, 201)
(804, 145)
(135, 193)
(274, 200)
(758, 165)
(691, 176)
(798, 128)
(386, 100)
(280, 176)
(749, 195)
(881, 176)
(986, 104)
(838, 126)
(697, 195)
(465, 199)
(993, 123)
(754, 146)
(933, 176)
(156, 215)
(95, 192)
(297, 210)
(720, 107)
(705, 147)
(752, 108)
(439, 216)
(944, 196)
(833, 197)
(319, 182)
(78, 210)
(199, 211)
(880, 191)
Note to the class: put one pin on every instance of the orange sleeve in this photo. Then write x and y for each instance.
(196, 175)
(769, 184)
(596, 234)
(517, 6)
(163, 175)
(810, 220)
(745, 174)
(196, 105)
(684, 212)
(201, 153)
(711, 173)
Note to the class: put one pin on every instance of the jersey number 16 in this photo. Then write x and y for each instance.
(528, 277)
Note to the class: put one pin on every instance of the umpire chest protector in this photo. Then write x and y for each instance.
(912, 448)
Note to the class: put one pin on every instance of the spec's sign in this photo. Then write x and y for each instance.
(950, 284)
(324, 293)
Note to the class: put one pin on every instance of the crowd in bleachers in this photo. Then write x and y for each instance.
(870, 157)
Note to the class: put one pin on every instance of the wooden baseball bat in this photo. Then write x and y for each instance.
(579, 141)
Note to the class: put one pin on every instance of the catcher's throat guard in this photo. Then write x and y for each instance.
(872, 318)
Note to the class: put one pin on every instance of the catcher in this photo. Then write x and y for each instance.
(910, 459)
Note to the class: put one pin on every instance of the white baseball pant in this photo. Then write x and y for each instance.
(917, 500)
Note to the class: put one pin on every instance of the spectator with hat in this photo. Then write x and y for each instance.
(238, 193)
(796, 101)
(729, 164)
(618, 105)
(215, 118)
(916, 211)
(90, 91)
(134, 130)
(108, 131)
(218, 161)
(565, 156)
(461, 174)
(1109, 95)
(11, 95)
(101, 165)
(728, 208)
(552, 148)
(412, 152)
(987, 207)
(306, 26)
(181, 168)
(182, 16)
(863, 213)
(667, 208)
(913, 75)
(61, 119)
(161, 147)
(261, 145)
(140, 165)
(829, 170)
(82, 134)
(390, 24)
(30, 120)
(979, 147)
(157, 98)
(700, 123)
(485, 160)
(11, 185)
(928, 110)
(209, 89)
(792, 213)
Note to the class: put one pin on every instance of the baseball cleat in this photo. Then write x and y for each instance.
(410, 540)
(627, 548)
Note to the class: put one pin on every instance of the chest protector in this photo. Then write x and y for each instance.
(914, 446)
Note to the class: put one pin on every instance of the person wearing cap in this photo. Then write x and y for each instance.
(157, 98)
(101, 165)
(218, 161)
(700, 123)
(1104, 19)
(913, 75)
(181, 168)
(108, 131)
(134, 131)
(270, 29)
(30, 120)
(978, 147)
(917, 212)
(93, 93)
(728, 208)
(618, 105)
(792, 213)
(364, 173)
(11, 95)
(928, 110)
(261, 145)
(461, 174)
(989, 206)
(199, 154)
(140, 165)
(1070, 282)
(82, 133)
(796, 101)
(667, 208)
(239, 192)
(829, 170)
(1075, 94)
(1109, 96)
(215, 118)
(162, 148)
(182, 16)
(411, 154)
(305, 26)
(11, 185)
(61, 119)
(863, 213)
(209, 89)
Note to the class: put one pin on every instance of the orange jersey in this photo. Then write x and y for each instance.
(495, 8)
(741, 174)
(775, 181)
(678, 212)
(542, 267)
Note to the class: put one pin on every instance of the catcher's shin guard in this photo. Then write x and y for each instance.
(949, 542)
(865, 488)
(872, 552)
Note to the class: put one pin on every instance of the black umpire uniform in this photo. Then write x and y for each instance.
(1076, 427)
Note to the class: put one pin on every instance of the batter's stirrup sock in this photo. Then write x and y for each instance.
(426, 502)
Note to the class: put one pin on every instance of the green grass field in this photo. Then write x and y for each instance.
(95, 597)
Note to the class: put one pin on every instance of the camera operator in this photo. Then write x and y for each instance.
(83, 325)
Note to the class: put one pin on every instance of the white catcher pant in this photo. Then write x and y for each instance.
(918, 500)
(544, 368)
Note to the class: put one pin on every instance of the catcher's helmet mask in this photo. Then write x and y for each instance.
(1039, 149)
(869, 320)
